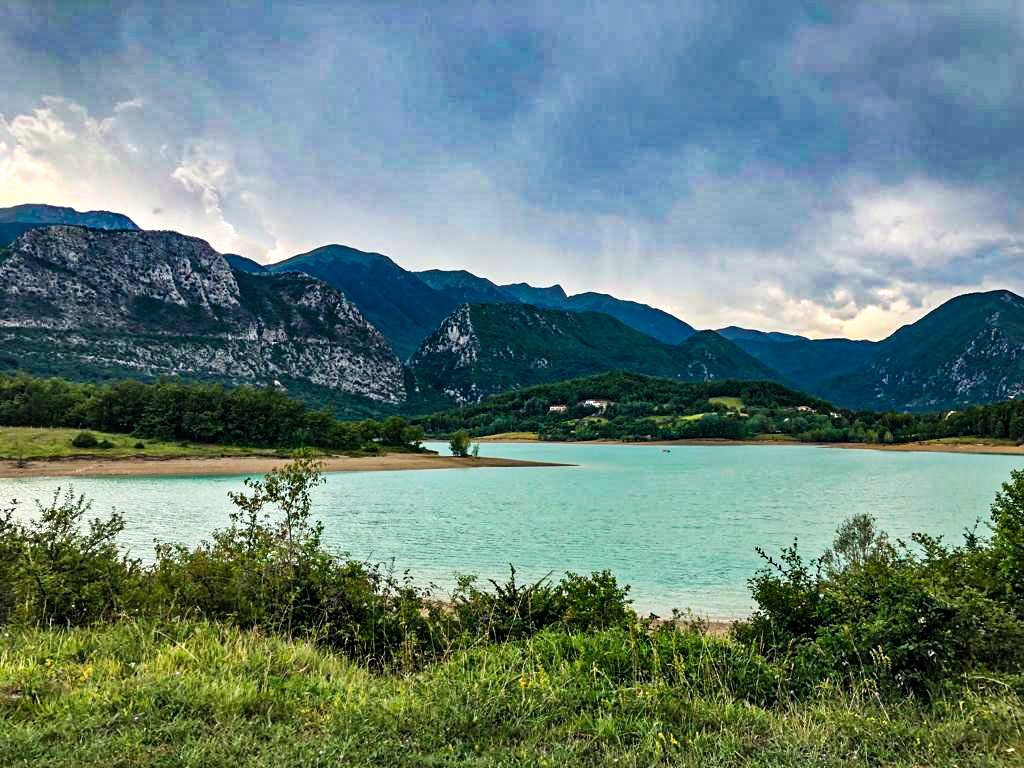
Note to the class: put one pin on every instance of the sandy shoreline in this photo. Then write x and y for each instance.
(245, 465)
(923, 447)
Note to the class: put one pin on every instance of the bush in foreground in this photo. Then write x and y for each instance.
(902, 614)
(268, 569)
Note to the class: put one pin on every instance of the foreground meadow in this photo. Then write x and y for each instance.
(200, 694)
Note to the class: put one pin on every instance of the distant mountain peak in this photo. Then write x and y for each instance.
(529, 294)
(969, 349)
(401, 305)
(17, 220)
(40, 213)
(339, 253)
(244, 264)
(736, 333)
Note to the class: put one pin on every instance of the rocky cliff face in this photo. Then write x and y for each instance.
(159, 303)
(969, 350)
(484, 349)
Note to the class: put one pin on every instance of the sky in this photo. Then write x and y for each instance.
(832, 169)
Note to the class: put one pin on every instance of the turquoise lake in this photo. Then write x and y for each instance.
(679, 527)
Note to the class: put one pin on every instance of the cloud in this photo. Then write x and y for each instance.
(829, 170)
(60, 153)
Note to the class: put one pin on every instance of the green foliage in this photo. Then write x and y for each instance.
(902, 616)
(174, 411)
(642, 408)
(1008, 535)
(63, 568)
(459, 444)
(210, 694)
(268, 569)
(513, 611)
(85, 440)
(647, 408)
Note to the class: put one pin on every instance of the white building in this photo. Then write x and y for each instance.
(598, 405)
(558, 409)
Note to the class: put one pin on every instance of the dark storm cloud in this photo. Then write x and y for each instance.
(825, 167)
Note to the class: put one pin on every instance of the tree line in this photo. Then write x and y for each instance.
(178, 411)
(643, 407)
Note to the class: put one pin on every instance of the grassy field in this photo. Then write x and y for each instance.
(733, 403)
(694, 417)
(33, 443)
(512, 436)
(206, 695)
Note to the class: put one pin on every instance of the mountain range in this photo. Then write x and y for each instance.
(92, 303)
(484, 349)
(407, 306)
(97, 296)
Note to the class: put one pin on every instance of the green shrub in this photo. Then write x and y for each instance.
(1008, 536)
(684, 658)
(64, 568)
(459, 443)
(271, 570)
(901, 615)
(84, 440)
(513, 611)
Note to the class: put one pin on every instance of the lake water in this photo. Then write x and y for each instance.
(680, 527)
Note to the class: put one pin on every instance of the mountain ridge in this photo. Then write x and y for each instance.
(398, 303)
(968, 350)
(18, 219)
(162, 303)
(484, 349)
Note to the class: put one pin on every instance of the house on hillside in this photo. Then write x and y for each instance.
(805, 409)
(558, 408)
(598, 405)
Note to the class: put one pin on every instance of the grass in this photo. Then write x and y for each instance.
(206, 695)
(733, 403)
(694, 417)
(39, 443)
(512, 436)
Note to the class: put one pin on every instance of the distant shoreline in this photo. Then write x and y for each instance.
(920, 447)
(245, 465)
